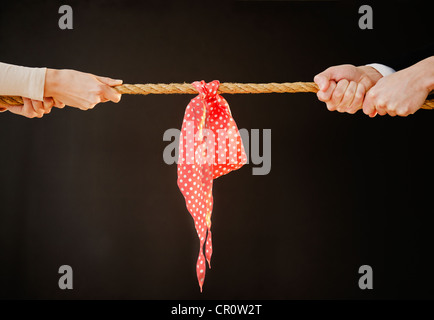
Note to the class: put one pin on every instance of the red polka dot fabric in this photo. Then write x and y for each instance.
(209, 146)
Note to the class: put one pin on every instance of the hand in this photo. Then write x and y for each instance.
(78, 89)
(32, 108)
(401, 93)
(343, 87)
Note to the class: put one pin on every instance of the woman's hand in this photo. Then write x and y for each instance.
(343, 87)
(78, 89)
(401, 93)
(32, 108)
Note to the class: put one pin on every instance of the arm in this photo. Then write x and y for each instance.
(403, 92)
(25, 82)
(43, 88)
(338, 90)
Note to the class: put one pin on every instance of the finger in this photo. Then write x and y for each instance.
(369, 103)
(358, 99)
(326, 95)
(38, 106)
(25, 110)
(58, 104)
(339, 92)
(381, 110)
(111, 94)
(3, 105)
(348, 97)
(330, 106)
(16, 109)
(391, 112)
(91, 105)
(109, 81)
(48, 104)
(28, 109)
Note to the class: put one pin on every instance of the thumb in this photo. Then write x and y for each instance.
(109, 81)
(323, 80)
(369, 107)
(16, 109)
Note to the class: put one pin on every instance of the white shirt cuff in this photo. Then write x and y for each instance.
(22, 81)
(381, 68)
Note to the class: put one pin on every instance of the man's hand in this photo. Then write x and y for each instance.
(31, 108)
(78, 89)
(343, 87)
(401, 93)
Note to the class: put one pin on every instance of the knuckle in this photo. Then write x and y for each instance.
(371, 94)
(93, 101)
(382, 103)
(341, 109)
(390, 108)
(331, 107)
(352, 110)
(403, 111)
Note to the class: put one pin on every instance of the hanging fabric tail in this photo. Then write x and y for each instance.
(209, 146)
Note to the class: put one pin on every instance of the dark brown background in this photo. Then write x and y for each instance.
(91, 190)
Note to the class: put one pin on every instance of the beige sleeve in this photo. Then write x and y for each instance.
(22, 81)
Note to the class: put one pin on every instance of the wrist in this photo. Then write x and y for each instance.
(51, 82)
(371, 74)
(427, 70)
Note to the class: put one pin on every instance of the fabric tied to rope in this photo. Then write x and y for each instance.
(209, 146)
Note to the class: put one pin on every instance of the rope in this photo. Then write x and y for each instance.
(232, 88)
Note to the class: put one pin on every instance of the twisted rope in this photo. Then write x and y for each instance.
(232, 88)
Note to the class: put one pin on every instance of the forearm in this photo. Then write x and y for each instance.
(22, 81)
